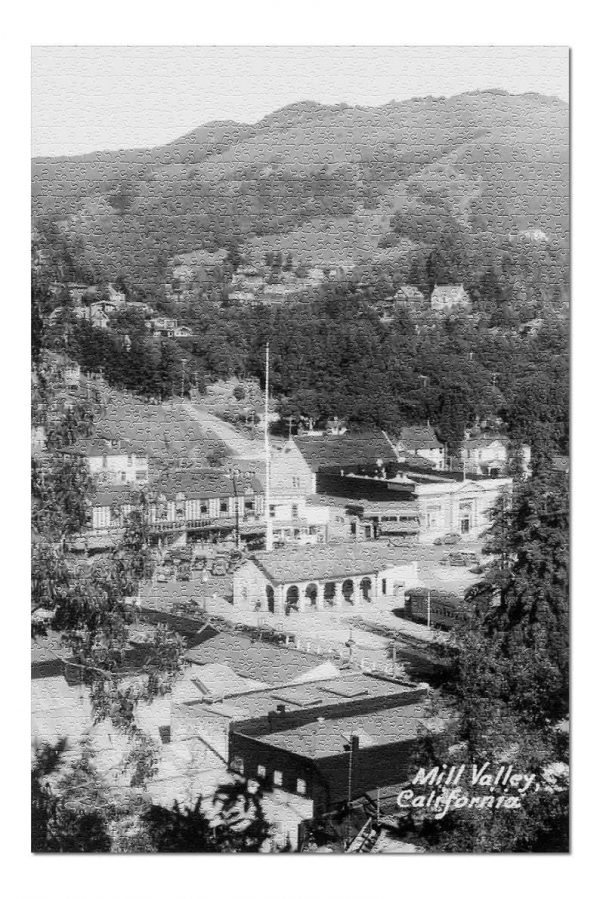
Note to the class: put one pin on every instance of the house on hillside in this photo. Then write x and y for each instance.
(450, 298)
(488, 455)
(406, 297)
(162, 326)
(421, 440)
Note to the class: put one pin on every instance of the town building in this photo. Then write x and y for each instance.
(450, 298)
(412, 503)
(489, 455)
(323, 578)
(325, 451)
(112, 460)
(326, 740)
(190, 503)
(421, 440)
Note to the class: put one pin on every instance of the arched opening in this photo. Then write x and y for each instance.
(292, 599)
(311, 594)
(366, 586)
(270, 598)
(329, 593)
(348, 591)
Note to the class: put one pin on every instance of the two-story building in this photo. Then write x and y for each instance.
(319, 743)
(112, 460)
(421, 440)
(489, 455)
(413, 504)
(193, 502)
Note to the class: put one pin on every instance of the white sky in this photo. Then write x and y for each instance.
(107, 98)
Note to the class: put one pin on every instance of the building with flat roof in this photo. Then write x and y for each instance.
(334, 741)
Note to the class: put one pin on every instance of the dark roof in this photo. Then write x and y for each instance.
(323, 561)
(481, 441)
(329, 691)
(409, 292)
(193, 484)
(204, 483)
(418, 437)
(102, 446)
(345, 449)
(254, 660)
(452, 599)
(332, 736)
(115, 495)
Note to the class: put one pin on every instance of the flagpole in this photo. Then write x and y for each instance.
(268, 522)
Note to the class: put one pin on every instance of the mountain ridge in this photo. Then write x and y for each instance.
(326, 181)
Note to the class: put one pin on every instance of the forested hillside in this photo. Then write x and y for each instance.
(332, 183)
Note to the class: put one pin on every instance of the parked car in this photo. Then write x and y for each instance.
(447, 540)
(183, 572)
(457, 560)
(162, 576)
(219, 567)
(470, 558)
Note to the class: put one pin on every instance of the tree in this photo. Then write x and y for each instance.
(240, 824)
(74, 809)
(509, 690)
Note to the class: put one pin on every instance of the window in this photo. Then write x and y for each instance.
(140, 475)
(223, 505)
(295, 482)
(294, 511)
(104, 462)
(277, 778)
(384, 586)
(271, 511)
(237, 764)
(130, 460)
(123, 475)
(249, 505)
(301, 786)
(203, 507)
(261, 771)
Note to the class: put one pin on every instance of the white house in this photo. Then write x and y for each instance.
(449, 298)
(112, 460)
(489, 455)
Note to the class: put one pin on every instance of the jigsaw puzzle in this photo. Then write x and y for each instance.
(300, 449)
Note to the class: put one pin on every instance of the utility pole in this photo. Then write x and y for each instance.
(268, 523)
(183, 363)
(429, 608)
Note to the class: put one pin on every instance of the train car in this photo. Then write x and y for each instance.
(436, 608)
(439, 608)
